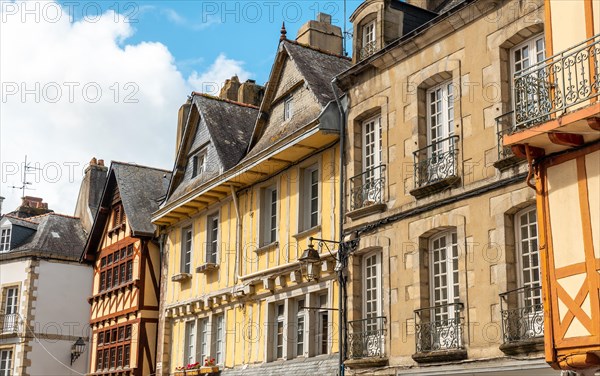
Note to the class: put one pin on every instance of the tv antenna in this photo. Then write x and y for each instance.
(27, 168)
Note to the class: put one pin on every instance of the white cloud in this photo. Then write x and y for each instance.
(212, 79)
(178, 19)
(52, 109)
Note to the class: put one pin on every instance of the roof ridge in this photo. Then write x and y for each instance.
(132, 164)
(317, 49)
(208, 96)
(28, 219)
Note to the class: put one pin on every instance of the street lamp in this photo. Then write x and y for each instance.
(310, 259)
(77, 349)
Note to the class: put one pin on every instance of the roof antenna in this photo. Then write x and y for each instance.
(24, 183)
(283, 32)
(345, 31)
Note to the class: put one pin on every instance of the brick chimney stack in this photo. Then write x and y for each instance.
(230, 89)
(321, 34)
(31, 207)
(248, 92)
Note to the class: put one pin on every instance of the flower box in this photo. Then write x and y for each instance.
(210, 369)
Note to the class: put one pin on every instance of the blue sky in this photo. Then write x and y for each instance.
(141, 59)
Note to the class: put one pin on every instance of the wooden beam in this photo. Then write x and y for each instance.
(594, 123)
(305, 147)
(566, 139)
(256, 173)
(277, 160)
(519, 151)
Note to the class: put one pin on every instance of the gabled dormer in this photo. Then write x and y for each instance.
(14, 232)
(377, 23)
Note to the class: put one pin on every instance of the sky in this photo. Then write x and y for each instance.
(105, 79)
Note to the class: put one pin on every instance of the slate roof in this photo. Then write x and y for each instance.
(318, 68)
(230, 126)
(142, 189)
(56, 236)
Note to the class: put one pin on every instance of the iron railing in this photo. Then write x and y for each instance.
(367, 50)
(522, 314)
(557, 84)
(367, 338)
(436, 162)
(439, 328)
(504, 126)
(9, 323)
(367, 188)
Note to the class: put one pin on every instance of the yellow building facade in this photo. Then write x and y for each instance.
(237, 219)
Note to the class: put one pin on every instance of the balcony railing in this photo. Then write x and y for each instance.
(436, 162)
(367, 188)
(9, 323)
(522, 314)
(557, 84)
(367, 338)
(504, 125)
(367, 50)
(439, 328)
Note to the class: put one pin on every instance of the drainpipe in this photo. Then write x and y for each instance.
(238, 243)
(342, 252)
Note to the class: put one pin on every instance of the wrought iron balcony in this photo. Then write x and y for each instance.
(367, 50)
(367, 338)
(9, 323)
(558, 84)
(436, 162)
(504, 125)
(439, 328)
(522, 314)
(367, 188)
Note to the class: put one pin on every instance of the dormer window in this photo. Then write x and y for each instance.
(368, 40)
(197, 162)
(288, 109)
(118, 216)
(5, 239)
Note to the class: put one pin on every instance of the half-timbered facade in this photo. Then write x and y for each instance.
(125, 253)
(556, 127)
(235, 290)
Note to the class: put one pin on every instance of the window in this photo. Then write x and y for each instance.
(5, 362)
(186, 249)
(528, 257)
(99, 360)
(269, 216)
(322, 337)
(203, 339)
(309, 198)
(10, 308)
(197, 162)
(212, 239)
(279, 329)
(537, 93)
(118, 215)
(372, 290)
(190, 342)
(368, 40)
(116, 269)
(113, 347)
(5, 239)
(526, 54)
(288, 110)
(219, 339)
(300, 327)
(371, 159)
(440, 117)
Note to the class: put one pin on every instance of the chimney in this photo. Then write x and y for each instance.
(251, 93)
(321, 34)
(230, 89)
(90, 192)
(182, 116)
(31, 207)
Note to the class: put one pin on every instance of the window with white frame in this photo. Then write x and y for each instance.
(212, 238)
(279, 336)
(369, 36)
(5, 239)
(10, 309)
(322, 337)
(288, 109)
(372, 290)
(309, 198)
(300, 327)
(197, 162)
(440, 117)
(372, 149)
(269, 215)
(528, 257)
(528, 53)
(6, 362)
(522, 56)
(190, 342)
(444, 274)
(186, 249)
(219, 338)
(203, 339)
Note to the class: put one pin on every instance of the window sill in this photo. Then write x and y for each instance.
(440, 356)
(181, 277)
(206, 268)
(305, 233)
(368, 362)
(524, 346)
(266, 248)
(101, 294)
(435, 187)
(366, 210)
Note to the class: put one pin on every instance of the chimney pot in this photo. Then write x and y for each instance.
(324, 17)
(322, 35)
(101, 162)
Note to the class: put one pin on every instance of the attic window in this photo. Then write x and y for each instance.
(197, 161)
(118, 216)
(288, 109)
(5, 240)
(368, 40)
